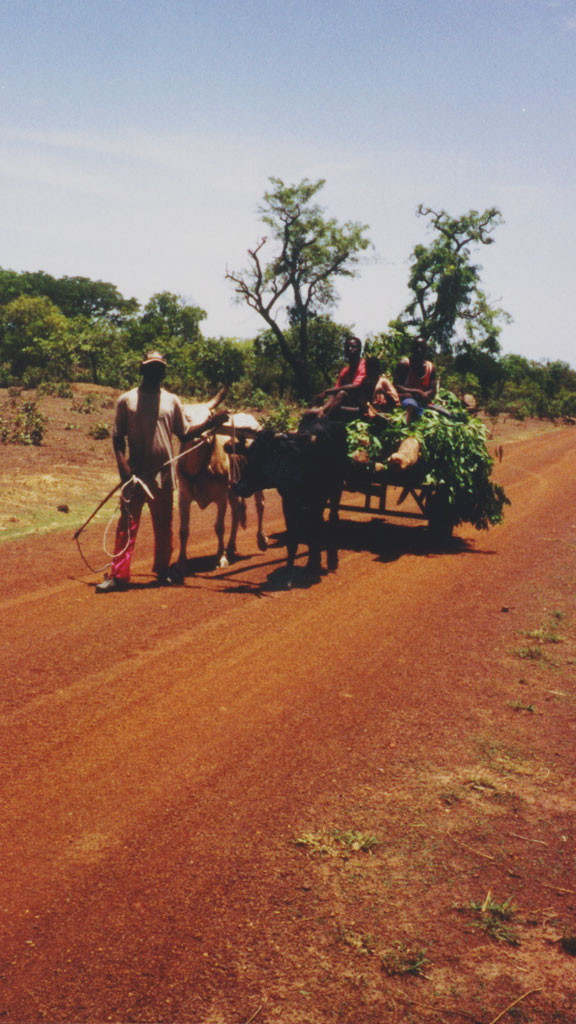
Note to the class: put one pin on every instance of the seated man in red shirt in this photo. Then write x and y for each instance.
(415, 380)
(350, 385)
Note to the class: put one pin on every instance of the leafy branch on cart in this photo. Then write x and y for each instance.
(454, 456)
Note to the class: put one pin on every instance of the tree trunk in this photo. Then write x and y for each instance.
(407, 455)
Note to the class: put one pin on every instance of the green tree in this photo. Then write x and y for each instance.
(167, 317)
(74, 296)
(219, 361)
(325, 341)
(36, 340)
(296, 284)
(448, 306)
(169, 323)
(102, 353)
(94, 300)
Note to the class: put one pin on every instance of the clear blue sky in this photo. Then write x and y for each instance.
(137, 138)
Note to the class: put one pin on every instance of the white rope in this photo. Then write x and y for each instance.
(133, 480)
(136, 481)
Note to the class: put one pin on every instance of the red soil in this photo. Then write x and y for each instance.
(163, 749)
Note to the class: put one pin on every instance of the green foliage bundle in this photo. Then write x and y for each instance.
(455, 459)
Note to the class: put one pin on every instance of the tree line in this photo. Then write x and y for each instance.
(75, 329)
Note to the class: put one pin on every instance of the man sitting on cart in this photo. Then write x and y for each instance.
(360, 387)
(415, 380)
(350, 384)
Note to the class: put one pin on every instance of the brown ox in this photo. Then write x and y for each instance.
(206, 474)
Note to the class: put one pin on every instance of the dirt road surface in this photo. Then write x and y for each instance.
(353, 801)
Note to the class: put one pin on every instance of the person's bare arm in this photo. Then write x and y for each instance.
(119, 444)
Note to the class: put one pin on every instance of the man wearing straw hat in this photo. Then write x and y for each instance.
(146, 419)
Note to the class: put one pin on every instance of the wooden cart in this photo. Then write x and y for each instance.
(386, 493)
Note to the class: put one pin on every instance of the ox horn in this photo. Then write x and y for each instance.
(217, 398)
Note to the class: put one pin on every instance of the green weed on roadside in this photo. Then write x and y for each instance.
(493, 917)
(519, 705)
(537, 639)
(331, 841)
(402, 959)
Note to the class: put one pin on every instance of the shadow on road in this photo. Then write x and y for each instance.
(387, 542)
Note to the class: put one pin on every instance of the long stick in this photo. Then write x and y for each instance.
(121, 484)
(103, 502)
(515, 1003)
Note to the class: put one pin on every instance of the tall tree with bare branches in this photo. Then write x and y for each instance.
(294, 283)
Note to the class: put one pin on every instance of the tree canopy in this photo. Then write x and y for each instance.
(297, 282)
(74, 296)
(448, 306)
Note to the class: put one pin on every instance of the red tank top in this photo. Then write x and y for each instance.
(414, 381)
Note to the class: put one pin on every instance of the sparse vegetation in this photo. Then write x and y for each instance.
(519, 705)
(88, 404)
(544, 635)
(22, 423)
(55, 389)
(403, 958)
(99, 431)
(328, 842)
(531, 654)
(362, 944)
(539, 638)
(493, 917)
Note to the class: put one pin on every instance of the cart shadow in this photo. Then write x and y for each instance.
(387, 542)
(391, 541)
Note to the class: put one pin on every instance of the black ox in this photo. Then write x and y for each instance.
(307, 469)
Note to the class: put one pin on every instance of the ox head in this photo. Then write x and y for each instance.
(256, 470)
(274, 461)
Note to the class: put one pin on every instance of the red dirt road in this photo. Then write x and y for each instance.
(163, 747)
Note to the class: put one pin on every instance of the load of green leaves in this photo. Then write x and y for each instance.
(454, 456)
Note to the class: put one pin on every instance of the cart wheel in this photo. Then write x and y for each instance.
(440, 515)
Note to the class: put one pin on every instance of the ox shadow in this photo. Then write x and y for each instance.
(279, 578)
(387, 542)
(208, 564)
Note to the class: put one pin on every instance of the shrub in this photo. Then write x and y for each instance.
(32, 377)
(281, 415)
(56, 389)
(87, 405)
(25, 424)
(6, 376)
(99, 431)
